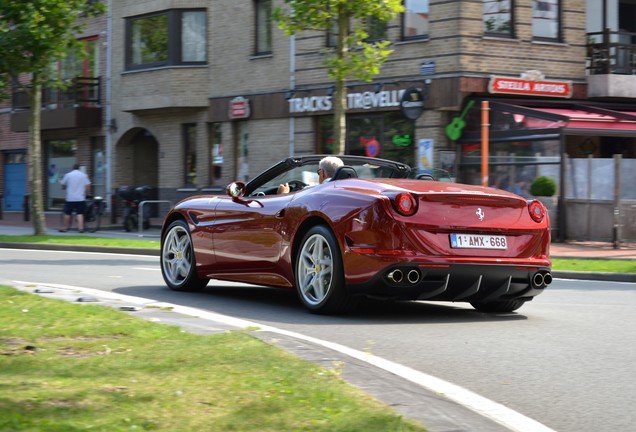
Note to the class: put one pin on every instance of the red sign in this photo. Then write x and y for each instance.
(239, 108)
(519, 86)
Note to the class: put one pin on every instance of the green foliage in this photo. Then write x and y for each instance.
(36, 33)
(543, 186)
(362, 58)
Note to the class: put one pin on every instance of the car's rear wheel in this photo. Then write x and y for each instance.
(320, 275)
(499, 306)
(178, 264)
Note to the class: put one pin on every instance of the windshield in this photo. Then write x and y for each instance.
(306, 175)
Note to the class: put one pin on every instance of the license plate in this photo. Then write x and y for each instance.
(476, 241)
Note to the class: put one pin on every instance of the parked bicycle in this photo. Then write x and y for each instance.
(95, 207)
(131, 197)
(93, 212)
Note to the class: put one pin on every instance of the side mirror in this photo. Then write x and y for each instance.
(236, 189)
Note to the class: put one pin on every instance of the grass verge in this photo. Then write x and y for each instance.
(81, 240)
(589, 265)
(68, 367)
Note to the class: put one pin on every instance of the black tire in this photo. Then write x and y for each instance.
(319, 274)
(500, 306)
(93, 218)
(178, 264)
(130, 222)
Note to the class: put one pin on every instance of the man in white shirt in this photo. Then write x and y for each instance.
(77, 185)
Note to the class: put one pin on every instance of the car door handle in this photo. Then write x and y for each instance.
(280, 213)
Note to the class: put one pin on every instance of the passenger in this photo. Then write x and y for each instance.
(326, 169)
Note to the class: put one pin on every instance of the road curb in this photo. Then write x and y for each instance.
(595, 276)
(560, 274)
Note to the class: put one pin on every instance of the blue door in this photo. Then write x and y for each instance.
(15, 183)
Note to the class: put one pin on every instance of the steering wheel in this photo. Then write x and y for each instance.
(296, 185)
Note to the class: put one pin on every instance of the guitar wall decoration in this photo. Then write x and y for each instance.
(457, 125)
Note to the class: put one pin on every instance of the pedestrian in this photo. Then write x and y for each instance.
(77, 186)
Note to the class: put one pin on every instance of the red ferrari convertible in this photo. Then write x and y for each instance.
(374, 229)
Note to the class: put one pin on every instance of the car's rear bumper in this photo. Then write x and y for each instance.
(455, 282)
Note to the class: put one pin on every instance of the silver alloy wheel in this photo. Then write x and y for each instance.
(176, 256)
(315, 269)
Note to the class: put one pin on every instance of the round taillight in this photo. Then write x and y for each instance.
(405, 204)
(537, 210)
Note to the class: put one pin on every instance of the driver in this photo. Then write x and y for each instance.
(326, 169)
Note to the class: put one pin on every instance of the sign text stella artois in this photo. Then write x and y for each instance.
(531, 83)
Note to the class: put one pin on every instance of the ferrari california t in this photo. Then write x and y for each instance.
(373, 229)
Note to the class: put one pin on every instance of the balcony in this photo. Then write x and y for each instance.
(77, 106)
(611, 64)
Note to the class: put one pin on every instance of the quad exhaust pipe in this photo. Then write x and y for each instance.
(541, 280)
(397, 276)
(413, 276)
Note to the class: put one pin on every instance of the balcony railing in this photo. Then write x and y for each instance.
(611, 52)
(80, 92)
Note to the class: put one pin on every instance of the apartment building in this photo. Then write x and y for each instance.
(72, 126)
(206, 92)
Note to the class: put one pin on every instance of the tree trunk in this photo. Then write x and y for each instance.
(35, 160)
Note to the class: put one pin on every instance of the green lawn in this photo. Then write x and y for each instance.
(81, 240)
(67, 368)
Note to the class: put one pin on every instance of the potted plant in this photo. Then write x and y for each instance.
(544, 188)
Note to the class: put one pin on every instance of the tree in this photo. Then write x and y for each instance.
(34, 34)
(353, 56)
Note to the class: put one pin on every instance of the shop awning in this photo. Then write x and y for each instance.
(572, 117)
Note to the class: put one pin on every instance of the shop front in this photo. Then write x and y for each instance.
(380, 123)
(574, 142)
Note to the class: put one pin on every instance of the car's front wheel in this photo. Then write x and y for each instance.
(178, 264)
(320, 275)
(500, 306)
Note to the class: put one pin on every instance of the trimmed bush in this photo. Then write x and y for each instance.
(543, 186)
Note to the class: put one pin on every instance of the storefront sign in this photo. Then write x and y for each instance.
(530, 87)
(365, 100)
(239, 108)
(412, 103)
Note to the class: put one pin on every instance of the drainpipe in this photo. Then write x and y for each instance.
(292, 86)
(109, 114)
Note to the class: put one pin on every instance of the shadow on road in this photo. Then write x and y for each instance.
(273, 305)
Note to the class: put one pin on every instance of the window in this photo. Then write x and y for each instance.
(263, 27)
(216, 152)
(332, 34)
(80, 76)
(415, 19)
(376, 29)
(61, 155)
(168, 38)
(546, 20)
(498, 18)
(387, 135)
(190, 151)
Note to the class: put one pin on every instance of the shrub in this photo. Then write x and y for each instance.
(543, 186)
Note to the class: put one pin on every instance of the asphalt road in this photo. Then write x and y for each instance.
(565, 359)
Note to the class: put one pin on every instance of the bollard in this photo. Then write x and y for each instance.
(27, 208)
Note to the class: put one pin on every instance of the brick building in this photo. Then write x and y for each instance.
(206, 92)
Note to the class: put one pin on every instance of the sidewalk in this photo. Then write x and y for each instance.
(12, 223)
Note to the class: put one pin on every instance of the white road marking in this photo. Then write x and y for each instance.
(497, 412)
